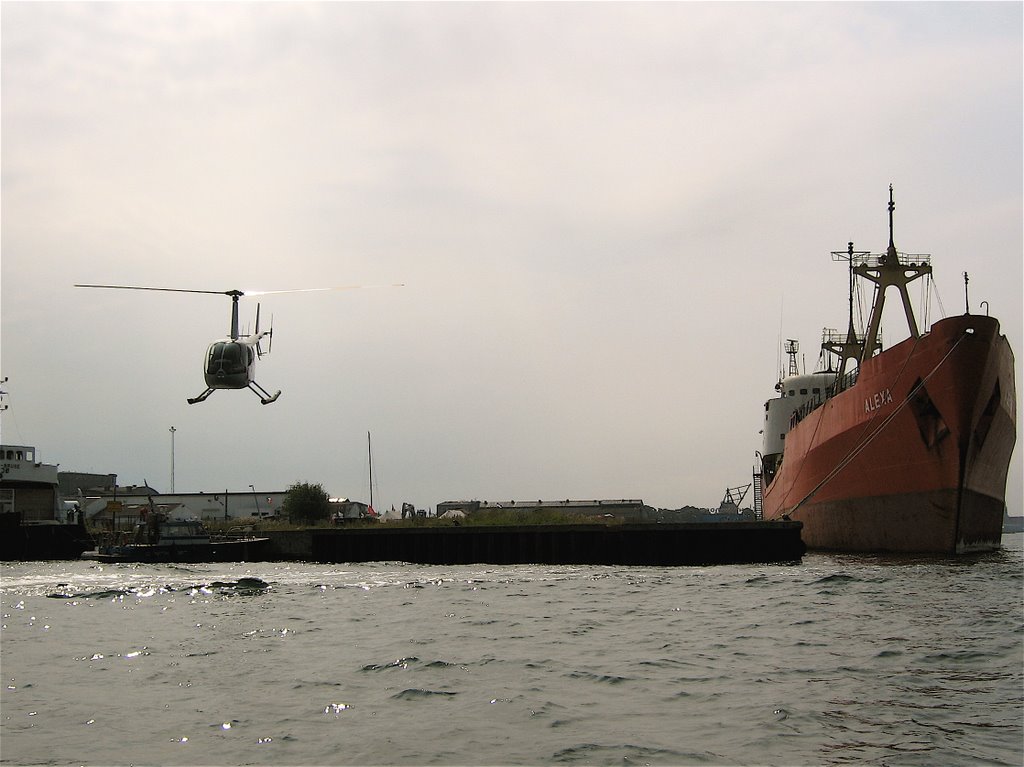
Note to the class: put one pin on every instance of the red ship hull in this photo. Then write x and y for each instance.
(914, 456)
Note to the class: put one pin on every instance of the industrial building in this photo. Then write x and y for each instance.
(28, 487)
(627, 509)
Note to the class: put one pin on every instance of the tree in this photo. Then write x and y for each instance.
(306, 503)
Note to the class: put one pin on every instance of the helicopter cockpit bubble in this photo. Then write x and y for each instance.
(227, 365)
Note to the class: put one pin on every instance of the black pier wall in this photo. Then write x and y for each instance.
(627, 544)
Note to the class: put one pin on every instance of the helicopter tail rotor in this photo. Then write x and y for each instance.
(259, 351)
(259, 336)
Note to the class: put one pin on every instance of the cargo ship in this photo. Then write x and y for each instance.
(905, 449)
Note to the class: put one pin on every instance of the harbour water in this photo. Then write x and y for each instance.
(840, 659)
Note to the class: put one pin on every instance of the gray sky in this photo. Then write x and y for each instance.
(606, 216)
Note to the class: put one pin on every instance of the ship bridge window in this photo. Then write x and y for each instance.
(803, 391)
(792, 392)
(816, 390)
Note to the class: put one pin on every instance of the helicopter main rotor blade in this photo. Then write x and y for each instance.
(166, 290)
(318, 290)
(237, 293)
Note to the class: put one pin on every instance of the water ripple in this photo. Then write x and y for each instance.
(840, 660)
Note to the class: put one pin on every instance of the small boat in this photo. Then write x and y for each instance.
(158, 539)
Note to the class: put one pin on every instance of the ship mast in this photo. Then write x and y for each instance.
(888, 270)
(850, 346)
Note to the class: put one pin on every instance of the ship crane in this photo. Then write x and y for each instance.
(733, 498)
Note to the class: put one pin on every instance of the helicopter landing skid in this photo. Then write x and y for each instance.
(265, 397)
(200, 398)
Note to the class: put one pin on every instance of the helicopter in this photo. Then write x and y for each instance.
(230, 363)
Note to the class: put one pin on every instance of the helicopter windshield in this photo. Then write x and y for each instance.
(226, 358)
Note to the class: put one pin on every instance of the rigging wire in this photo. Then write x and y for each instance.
(926, 302)
(938, 300)
(859, 303)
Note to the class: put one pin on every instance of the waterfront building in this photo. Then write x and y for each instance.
(27, 486)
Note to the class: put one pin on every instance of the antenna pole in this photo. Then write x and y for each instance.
(967, 302)
(892, 207)
(851, 334)
(172, 430)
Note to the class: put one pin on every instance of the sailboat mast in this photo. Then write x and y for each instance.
(369, 452)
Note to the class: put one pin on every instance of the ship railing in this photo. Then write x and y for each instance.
(844, 383)
(833, 336)
(818, 400)
(237, 533)
(875, 260)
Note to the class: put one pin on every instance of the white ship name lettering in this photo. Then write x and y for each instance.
(875, 402)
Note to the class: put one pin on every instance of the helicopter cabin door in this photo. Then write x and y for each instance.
(228, 365)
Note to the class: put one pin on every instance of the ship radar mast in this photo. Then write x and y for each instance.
(848, 346)
(792, 350)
